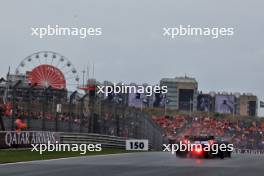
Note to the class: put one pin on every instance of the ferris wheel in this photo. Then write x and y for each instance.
(49, 69)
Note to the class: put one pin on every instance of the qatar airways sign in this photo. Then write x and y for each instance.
(13, 139)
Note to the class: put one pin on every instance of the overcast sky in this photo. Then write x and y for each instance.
(132, 48)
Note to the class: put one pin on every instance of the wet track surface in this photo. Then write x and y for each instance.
(151, 163)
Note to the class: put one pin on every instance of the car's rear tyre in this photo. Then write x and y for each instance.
(221, 155)
(181, 154)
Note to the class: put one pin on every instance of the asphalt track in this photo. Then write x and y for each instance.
(135, 164)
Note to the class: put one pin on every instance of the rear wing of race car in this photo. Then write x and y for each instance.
(199, 138)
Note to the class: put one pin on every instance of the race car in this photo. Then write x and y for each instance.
(204, 147)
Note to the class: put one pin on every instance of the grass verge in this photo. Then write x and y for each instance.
(17, 155)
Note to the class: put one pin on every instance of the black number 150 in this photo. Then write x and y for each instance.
(137, 145)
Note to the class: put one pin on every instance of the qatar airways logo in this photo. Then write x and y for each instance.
(124, 89)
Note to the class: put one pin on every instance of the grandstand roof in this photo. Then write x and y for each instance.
(184, 79)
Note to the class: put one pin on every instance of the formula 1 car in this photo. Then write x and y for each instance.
(204, 147)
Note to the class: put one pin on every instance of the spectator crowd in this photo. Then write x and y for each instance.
(244, 134)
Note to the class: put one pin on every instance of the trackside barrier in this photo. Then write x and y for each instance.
(107, 141)
(81, 138)
(106, 118)
(248, 151)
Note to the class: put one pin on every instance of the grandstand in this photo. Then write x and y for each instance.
(244, 134)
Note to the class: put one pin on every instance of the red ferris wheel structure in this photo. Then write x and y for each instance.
(49, 69)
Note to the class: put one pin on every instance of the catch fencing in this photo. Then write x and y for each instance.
(95, 117)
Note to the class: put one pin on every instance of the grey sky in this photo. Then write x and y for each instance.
(132, 48)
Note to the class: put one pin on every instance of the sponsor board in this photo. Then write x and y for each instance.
(137, 145)
(13, 139)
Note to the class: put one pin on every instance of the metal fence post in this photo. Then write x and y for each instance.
(13, 102)
(56, 121)
(82, 113)
(29, 106)
(91, 118)
(72, 96)
(2, 125)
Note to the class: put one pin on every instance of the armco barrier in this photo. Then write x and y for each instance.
(107, 141)
(82, 138)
